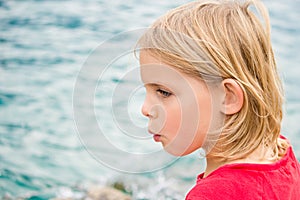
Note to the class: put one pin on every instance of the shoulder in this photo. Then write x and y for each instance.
(251, 181)
(226, 184)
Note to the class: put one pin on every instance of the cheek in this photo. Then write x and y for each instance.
(173, 119)
(190, 126)
(196, 114)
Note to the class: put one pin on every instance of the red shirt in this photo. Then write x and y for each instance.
(279, 180)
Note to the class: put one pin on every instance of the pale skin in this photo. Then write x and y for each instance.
(182, 109)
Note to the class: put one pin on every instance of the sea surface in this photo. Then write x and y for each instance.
(47, 146)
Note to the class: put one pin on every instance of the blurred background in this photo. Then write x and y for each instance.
(43, 45)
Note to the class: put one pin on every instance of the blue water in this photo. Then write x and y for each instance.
(43, 46)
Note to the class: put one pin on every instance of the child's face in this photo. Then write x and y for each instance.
(178, 106)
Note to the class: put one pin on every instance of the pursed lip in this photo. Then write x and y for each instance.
(156, 137)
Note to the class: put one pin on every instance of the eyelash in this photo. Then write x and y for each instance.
(164, 93)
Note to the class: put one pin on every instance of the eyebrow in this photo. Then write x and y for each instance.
(154, 85)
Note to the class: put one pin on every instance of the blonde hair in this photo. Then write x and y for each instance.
(209, 39)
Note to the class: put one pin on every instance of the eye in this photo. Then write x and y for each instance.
(163, 92)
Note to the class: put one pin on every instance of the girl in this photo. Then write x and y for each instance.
(211, 82)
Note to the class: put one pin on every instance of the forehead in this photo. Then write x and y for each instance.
(154, 70)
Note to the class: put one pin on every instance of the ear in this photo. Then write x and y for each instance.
(234, 97)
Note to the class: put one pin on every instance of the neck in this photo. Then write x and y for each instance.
(254, 158)
(212, 165)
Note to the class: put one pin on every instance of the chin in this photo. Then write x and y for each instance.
(179, 152)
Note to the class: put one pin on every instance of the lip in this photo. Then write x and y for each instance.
(156, 137)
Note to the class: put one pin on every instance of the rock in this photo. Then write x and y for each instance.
(107, 193)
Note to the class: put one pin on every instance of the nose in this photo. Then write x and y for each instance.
(147, 108)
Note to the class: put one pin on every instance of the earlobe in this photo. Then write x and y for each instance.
(234, 97)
